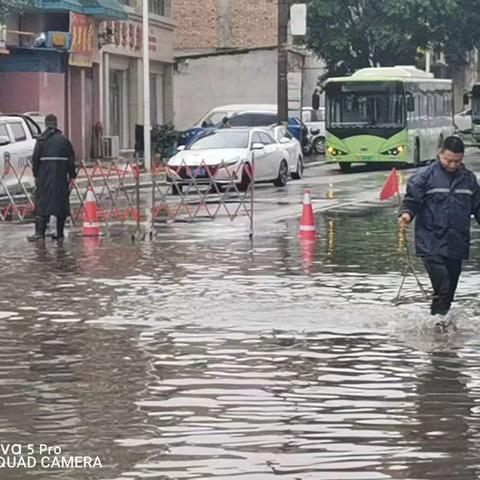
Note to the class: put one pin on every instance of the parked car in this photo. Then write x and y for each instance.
(463, 121)
(215, 116)
(260, 115)
(213, 119)
(224, 154)
(293, 147)
(315, 122)
(17, 141)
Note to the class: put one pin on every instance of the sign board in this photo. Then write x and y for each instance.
(128, 35)
(82, 29)
(294, 93)
(3, 39)
(298, 19)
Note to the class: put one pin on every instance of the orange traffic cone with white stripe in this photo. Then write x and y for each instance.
(91, 227)
(307, 224)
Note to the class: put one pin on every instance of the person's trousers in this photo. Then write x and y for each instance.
(41, 223)
(444, 274)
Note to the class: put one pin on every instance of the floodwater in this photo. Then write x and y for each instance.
(199, 355)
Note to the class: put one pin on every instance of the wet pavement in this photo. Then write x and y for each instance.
(200, 354)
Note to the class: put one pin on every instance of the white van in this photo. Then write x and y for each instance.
(217, 114)
(17, 141)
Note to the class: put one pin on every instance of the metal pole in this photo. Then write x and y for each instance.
(252, 198)
(282, 69)
(101, 85)
(146, 89)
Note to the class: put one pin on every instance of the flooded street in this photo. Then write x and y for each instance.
(200, 354)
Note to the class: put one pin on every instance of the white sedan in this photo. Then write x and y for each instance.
(226, 156)
(293, 147)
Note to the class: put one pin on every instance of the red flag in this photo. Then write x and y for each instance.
(390, 189)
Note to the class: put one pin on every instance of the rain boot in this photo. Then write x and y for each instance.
(40, 228)
(60, 235)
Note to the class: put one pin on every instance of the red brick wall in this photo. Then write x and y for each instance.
(197, 23)
(253, 23)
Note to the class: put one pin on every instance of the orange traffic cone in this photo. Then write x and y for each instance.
(91, 227)
(307, 224)
(308, 254)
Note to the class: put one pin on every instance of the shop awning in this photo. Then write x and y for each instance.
(60, 5)
(104, 9)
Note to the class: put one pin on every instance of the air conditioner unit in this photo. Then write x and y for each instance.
(111, 147)
(58, 40)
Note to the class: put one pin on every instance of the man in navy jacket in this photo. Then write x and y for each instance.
(442, 197)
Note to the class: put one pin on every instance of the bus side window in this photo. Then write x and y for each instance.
(441, 104)
(433, 112)
(422, 97)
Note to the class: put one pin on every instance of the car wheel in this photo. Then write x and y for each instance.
(345, 167)
(246, 178)
(319, 145)
(282, 177)
(299, 173)
(177, 189)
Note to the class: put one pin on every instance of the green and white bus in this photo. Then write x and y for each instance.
(387, 115)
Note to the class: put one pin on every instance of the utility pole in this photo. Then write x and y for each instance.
(147, 146)
(282, 87)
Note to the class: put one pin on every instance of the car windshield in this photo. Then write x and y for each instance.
(221, 139)
(213, 119)
(365, 105)
(253, 119)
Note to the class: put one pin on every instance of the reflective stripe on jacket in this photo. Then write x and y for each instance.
(442, 204)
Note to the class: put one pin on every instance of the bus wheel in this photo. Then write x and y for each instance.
(416, 154)
(345, 167)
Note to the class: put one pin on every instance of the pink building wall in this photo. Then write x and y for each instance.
(33, 91)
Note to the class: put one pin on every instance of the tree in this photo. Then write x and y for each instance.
(353, 34)
(9, 7)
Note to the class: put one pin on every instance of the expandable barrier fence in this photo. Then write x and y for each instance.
(125, 193)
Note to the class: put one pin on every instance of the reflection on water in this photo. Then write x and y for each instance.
(198, 355)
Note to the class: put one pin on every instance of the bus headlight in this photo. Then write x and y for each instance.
(396, 151)
(335, 151)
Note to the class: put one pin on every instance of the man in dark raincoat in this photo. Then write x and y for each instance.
(442, 197)
(53, 167)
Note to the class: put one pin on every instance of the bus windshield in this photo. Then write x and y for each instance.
(365, 105)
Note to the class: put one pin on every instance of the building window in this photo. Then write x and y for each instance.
(119, 111)
(156, 98)
(157, 7)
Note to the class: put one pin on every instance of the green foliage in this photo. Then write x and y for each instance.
(164, 139)
(8, 7)
(353, 34)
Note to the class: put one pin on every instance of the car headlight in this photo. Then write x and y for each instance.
(335, 152)
(229, 163)
(396, 151)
